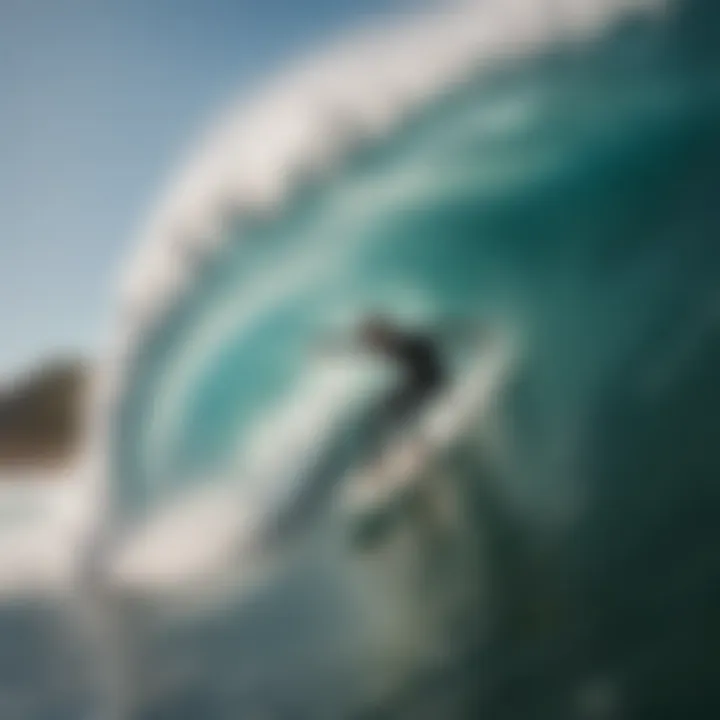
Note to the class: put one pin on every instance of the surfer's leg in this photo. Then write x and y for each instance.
(376, 429)
(401, 409)
(392, 418)
(383, 425)
(401, 412)
(417, 404)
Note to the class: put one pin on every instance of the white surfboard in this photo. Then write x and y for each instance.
(374, 487)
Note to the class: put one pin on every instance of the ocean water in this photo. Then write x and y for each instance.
(559, 560)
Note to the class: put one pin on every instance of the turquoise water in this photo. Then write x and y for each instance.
(573, 201)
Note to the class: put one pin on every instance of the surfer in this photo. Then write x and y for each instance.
(417, 355)
(423, 375)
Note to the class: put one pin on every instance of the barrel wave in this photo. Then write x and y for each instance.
(544, 171)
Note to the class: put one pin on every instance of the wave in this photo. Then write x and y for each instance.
(254, 164)
(369, 177)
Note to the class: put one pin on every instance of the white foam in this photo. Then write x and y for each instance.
(185, 544)
(44, 519)
(214, 530)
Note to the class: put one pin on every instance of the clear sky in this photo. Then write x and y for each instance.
(99, 100)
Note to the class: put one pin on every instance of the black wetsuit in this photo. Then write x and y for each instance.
(424, 375)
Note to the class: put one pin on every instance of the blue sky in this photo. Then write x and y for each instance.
(99, 100)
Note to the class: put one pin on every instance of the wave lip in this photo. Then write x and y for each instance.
(308, 119)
